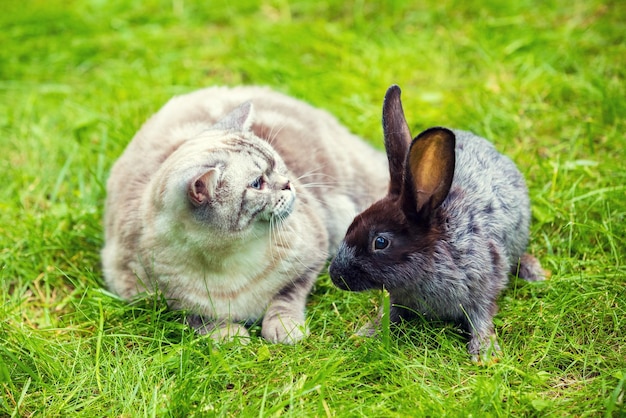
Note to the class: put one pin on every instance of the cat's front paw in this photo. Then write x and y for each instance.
(231, 332)
(284, 330)
(220, 331)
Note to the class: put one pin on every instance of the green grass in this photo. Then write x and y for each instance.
(543, 79)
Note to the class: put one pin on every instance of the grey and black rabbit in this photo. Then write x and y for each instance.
(443, 241)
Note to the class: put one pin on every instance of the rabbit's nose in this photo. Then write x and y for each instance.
(335, 275)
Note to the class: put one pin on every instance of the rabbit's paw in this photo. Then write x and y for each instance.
(368, 330)
(530, 269)
(484, 350)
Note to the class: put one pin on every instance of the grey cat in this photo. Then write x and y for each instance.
(229, 201)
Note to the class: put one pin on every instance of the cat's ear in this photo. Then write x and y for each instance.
(239, 119)
(201, 189)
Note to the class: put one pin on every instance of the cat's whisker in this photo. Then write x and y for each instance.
(281, 233)
(281, 228)
(323, 180)
(319, 185)
(271, 241)
(274, 229)
(272, 135)
(315, 173)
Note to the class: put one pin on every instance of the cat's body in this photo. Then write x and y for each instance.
(231, 210)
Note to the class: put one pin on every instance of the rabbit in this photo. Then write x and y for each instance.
(442, 242)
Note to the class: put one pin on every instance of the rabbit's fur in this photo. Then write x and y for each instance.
(452, 227)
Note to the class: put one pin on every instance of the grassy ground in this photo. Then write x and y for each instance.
(543, 79)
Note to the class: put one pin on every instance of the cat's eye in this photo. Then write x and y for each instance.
(257, 183)
(380, 243)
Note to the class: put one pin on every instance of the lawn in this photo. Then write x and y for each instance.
(544, 80)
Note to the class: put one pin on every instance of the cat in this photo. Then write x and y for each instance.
(228, 202)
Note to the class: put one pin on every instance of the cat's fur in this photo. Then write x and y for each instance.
(229, 201)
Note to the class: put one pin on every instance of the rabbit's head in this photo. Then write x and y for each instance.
(384, 244)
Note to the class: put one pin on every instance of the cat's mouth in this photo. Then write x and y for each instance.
(283, 207)
(280, 209)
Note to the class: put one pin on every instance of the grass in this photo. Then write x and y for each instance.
(543, 80)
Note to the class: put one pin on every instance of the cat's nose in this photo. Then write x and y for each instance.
(287, 186)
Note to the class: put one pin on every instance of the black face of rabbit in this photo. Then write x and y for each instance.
(384, 244)
(377, 249)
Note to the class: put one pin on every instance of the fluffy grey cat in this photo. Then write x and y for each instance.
(229, 201)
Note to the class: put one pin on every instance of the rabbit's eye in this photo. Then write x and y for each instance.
(380, 243)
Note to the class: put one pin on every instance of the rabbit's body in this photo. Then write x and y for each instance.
(444, 240)
(478, 244)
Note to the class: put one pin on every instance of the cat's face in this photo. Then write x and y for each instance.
(232, 184)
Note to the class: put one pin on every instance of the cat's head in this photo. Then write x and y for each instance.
(227, 178)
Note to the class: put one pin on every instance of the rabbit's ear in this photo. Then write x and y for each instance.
(397, 137)
(429, 172)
